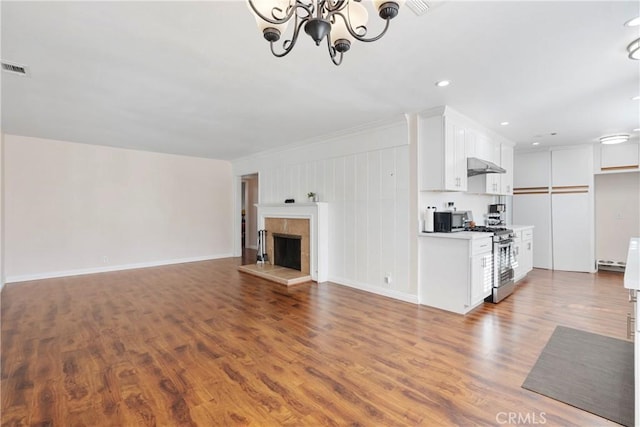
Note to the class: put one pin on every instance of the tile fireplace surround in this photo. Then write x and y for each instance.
(318, 231)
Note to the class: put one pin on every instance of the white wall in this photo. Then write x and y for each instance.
(364, 177)
(2, 275)
(75, 208)
(477, 203)
(617, 204)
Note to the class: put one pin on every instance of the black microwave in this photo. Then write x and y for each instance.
(449, 221)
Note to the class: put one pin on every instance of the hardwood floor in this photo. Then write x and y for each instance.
(202, 344)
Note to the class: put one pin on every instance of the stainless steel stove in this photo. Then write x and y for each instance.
(503, 261)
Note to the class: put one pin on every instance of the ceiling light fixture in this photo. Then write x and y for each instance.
(634, 22)
(340, 21)
(535, 143)
(634, 49)
(443, 83)
(504, 123)
(636, 98)
(614, 139)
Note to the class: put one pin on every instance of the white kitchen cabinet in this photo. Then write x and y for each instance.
(535, 209)
(554, 192)
(481, 271)
(500, 153)
(619, 157)
(455, 273)
(532, 170)
(572, 209)
(506, 162)
(442, 151)
(522, 252)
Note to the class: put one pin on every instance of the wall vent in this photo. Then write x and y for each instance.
(419, 7)
(13, 68)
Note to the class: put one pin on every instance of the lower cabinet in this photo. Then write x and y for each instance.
(481, 276)
(455, 272)
(522, 252)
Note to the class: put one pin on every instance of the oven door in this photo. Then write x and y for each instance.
(503, 284)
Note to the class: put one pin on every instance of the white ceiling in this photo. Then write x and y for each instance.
(197, 78)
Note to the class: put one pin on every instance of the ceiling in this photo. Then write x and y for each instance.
(197, 78)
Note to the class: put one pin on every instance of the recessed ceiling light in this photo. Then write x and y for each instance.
(443, 83)
(614, 139)
(504, 123)
(535, 143)
(633, 22)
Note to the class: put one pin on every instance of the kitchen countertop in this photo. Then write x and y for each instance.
(632, 269)
(462, 235)
(520, 227)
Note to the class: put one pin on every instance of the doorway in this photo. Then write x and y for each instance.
(249, 221)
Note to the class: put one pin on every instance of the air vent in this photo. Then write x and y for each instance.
(419, 7)
(13, 68)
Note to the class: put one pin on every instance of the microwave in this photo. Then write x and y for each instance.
(449, 221)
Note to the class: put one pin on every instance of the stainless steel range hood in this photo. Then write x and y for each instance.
(476, 166)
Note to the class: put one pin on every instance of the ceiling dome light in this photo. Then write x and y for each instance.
(443, 83)
(535, 143)
(614, 139)
(634, 49)
(633, 22)
(504, 124)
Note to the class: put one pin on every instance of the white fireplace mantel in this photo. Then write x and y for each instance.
(317, 214)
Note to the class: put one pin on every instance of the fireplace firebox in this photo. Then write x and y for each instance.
(287, 250)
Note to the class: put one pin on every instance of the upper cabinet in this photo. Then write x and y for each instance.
(571, 167)
(506, 161)
(533, 171)
(623, 157)
(442, 153)
(445, 140)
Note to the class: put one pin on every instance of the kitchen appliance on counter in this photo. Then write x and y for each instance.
(496, 215)
(428, 219)
(503, 262)
(451, 221)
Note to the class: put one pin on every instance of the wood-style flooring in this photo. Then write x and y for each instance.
(201, 344)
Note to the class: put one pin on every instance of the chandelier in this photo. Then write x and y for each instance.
(340, 21)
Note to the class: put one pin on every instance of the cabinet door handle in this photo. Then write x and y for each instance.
(630, 321)
(529, 246)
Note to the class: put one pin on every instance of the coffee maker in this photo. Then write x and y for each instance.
(497, 215)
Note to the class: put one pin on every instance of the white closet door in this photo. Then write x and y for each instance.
(572, 232)
(535, 209)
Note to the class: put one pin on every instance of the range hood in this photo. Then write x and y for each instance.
(476, 166)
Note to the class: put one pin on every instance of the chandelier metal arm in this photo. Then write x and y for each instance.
(333, 53)
(358, 36)
(288, 45)
(275, 20)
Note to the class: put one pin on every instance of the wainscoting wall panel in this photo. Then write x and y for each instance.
(367, 191)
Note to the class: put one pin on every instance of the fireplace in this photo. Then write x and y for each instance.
(287, 251)
(278, 230)
(307, 220)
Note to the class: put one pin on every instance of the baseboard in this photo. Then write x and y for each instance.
(402, 296)
(78, 272)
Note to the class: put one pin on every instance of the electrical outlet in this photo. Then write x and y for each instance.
(105, 259)
(387, 278)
